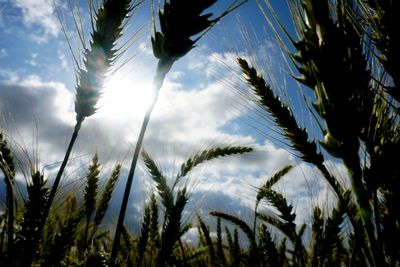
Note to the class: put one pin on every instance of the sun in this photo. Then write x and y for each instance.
(124, 98)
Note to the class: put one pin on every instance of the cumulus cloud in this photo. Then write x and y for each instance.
(39, 13)
(24, 103)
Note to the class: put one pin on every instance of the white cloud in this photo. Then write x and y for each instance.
(3, 53)
(63, 60)
(32, 60)
(40, 13)
(9, 75)
(29, 103)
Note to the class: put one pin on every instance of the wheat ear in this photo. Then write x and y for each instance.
(207, 155)
(207, 238)
(104, 201)
(90, 195)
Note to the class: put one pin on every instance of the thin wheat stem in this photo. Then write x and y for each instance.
(173, 42)
(62, 167)
(59, 174)
(157, 84)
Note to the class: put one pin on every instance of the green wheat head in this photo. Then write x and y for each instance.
(105, 199)
(205, 232)
(282, 115)
(100, 56)
(270, 182)
(180, 21)
(91, 188)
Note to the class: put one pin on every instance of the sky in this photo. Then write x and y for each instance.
(198, 107)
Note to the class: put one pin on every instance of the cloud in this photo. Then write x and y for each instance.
(9, 75)
(63, 60)
(192, 113)
(39, 13)
(3, 53)
(30, 101)
(33, 60)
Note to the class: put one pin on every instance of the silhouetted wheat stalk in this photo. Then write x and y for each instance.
(205, 232)
(144, 235)
(163, 245)
(66, 235)
(8, 168)
(253, 251)
(105, 199)
(179, 21)
(99, 57)
(381, 17)
(27, 237)
(90, 195)
(220, 249)
(284, 118)
(344, 52)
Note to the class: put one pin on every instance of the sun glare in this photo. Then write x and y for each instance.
(124, 97)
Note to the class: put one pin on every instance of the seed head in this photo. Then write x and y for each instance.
(100, 56)
(180, 20)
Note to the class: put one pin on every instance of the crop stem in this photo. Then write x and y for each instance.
(162, 70)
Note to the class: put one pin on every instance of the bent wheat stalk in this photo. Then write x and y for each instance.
(99, 57)
(179, 21)
(98, 60)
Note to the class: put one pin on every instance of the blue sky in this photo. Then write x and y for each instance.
(198, 107)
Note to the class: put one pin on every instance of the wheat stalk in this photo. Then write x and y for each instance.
(104, 201)
(220, 249)
(205, 232)
(8, 168)
(28, 235)
(179, 21)
(207, 155)
(143, 236)
(253, 251)
(381, 18)
(268, 252)
(331, 47)
(163, 189)
(284, 118)
(65, 237)
(98, 59)
(172, 228)
(284, 221)
(234, 248)
(270, 182)
(90, 194)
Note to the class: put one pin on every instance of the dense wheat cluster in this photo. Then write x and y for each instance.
(344, 52)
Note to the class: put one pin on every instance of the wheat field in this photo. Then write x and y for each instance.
(340, 54)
